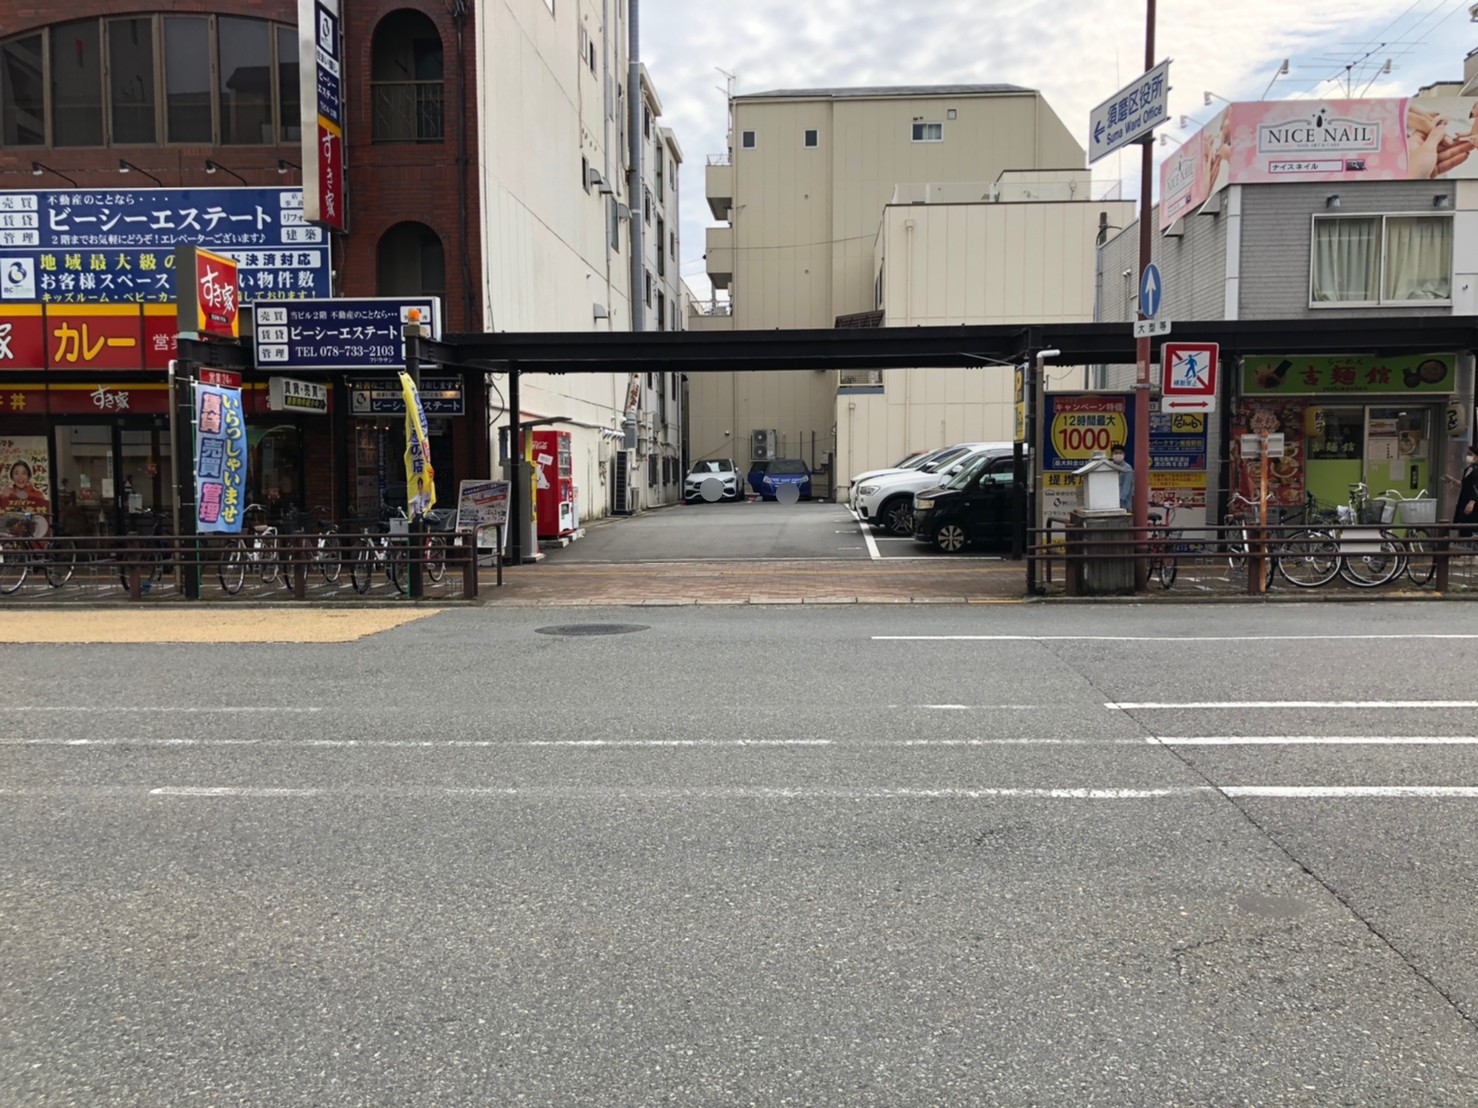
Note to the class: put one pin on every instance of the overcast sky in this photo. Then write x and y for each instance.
(1077, 57)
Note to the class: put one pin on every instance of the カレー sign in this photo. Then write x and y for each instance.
(95, 336)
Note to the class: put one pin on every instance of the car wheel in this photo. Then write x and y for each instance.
(950, 538)
(897, 517)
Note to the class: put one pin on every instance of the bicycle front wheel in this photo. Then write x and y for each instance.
(61, 561)
(15, 563)
(270, 562)
(231, 569)
(436, 558)
(329, 557)
(363, 567)
(397, 566)
(1308, 559)
(1376, 563)
(1421, 565)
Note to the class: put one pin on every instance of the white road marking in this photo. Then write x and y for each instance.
(872, 546)
(1316, 740)
(1159, 638)
(1352, 792)
(183, 790)
(411, 792)
(200, 709)
(1155, 705)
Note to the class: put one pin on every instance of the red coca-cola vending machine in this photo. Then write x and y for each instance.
(555, 477)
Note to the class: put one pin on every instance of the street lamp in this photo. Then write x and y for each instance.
(212, 166)
(1207, 95)
(125, 166)
(37, 169)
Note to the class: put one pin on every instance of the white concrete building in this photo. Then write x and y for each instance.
(553, 162)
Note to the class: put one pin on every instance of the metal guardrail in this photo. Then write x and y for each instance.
(1247, 559)
(258, 566)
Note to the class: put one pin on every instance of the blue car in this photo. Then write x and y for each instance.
(767, 477)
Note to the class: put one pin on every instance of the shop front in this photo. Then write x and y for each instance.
(1380, 422)
(376, 440)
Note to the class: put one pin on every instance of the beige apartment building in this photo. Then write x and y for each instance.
(896, 207)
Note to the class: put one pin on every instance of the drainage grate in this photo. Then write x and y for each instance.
(592, 629)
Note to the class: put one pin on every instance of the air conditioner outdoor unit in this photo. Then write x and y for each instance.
(763, 445)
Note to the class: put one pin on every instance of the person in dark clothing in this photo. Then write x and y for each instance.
(1466, 513)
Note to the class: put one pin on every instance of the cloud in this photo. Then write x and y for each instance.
(1077, 58)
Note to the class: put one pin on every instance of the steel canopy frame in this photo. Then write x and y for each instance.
(914, 347)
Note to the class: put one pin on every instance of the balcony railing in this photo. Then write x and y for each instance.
(407, 111)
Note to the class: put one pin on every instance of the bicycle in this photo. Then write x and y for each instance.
(320, 541)
(1243, 515)
(387, 549)
(1413, 515)
(1162, 562)
(260, 554)
(1355, 548)
(146, 550)
(31, 547)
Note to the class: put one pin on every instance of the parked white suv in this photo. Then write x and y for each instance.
(886, 502)
(721, 470)
(913, 462)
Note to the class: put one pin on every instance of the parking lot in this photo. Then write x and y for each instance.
(744, 531)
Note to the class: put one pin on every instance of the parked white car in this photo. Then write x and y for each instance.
(886, 502)
(722, 470)
(933, 462)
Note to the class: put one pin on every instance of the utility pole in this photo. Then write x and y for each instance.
(1142, 378)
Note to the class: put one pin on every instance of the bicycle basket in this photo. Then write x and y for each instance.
(1377, 511)
(1417, 512)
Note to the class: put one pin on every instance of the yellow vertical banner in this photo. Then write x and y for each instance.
(420, 478)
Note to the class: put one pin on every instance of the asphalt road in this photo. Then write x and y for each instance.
(1108, 855)
(743, 531)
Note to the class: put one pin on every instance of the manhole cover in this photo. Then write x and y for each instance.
(591, 629)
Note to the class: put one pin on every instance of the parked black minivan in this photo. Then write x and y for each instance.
(972, 509)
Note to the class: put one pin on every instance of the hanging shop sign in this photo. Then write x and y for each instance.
(288, 394)
(1306, 376)
(382, 396)
(117, 246)
(339, 334)
(321, 96)
(208, 301)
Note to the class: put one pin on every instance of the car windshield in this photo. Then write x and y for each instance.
(788, 465)
(711, 467)
(913, 461)
(942, 459)
(963, 478)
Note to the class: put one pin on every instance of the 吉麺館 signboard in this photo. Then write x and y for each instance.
(338, 334)
(112, 246)
(1317, 376)
(1131, 114)
(383, 396)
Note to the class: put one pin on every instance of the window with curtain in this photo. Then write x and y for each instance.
(22, 93)
(187, 107)
(245, 52)
(131, 79)
(1418, 258)
(1381, 260)
(76, 84)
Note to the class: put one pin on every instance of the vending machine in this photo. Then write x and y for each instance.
(554, 471)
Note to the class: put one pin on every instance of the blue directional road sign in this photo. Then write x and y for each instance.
(1151, 288)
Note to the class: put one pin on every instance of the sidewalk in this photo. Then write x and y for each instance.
(773, 582)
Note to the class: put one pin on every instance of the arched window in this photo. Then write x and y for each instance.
(406, 79)
(410, 261)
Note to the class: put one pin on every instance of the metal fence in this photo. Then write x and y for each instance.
(1072, 560)
(355, 566)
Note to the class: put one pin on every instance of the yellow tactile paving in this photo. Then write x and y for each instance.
(219, 625)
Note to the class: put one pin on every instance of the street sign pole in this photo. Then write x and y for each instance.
(1142, 380)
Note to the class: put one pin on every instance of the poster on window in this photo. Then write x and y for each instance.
(25, 475)
(220, 459)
